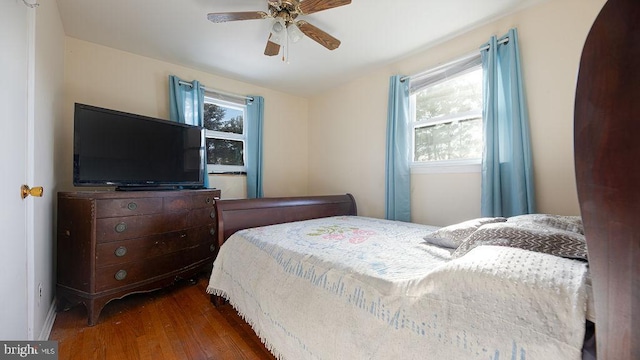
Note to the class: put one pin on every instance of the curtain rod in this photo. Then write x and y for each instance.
(501, 41)
(181, 82)
(469, 55)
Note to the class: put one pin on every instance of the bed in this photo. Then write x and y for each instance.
(606, 132)
(607, 175)
(329, 284)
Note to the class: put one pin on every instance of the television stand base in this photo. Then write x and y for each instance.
(155, 188)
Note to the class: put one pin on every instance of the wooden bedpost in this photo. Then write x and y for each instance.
(607, 159)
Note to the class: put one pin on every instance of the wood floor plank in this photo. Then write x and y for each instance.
(156, 338)
(174, 323)
(201, 331)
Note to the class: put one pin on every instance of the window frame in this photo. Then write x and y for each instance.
(222, 135)
(432, 77)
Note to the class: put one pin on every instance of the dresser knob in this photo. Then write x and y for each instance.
(121, 227)
(208, 200)
(213, 214)
(132, 206)
(212, 231)
(212, 248)
(121, 275)
(121, 251)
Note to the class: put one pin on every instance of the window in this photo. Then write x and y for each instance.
(446, 115)
(224, 122)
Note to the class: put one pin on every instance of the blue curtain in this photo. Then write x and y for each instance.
(507, 168)
(255, 114)
(186, 105)
(398, 176)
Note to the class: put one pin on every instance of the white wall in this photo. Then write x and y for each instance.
(347, 125)
(49, 66)
(334, 142)
(105, 77)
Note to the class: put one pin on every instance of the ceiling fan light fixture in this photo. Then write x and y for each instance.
(278, 32)
(294, 33)
(277, 27)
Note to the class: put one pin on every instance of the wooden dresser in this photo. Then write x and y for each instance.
(115, 243)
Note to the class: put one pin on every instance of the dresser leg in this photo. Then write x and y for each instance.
(94, 307)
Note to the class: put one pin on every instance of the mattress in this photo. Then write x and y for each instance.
(363, 288)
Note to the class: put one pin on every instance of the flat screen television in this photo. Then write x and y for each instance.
(135, 152)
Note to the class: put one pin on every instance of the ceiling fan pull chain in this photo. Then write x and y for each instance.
(286, 48)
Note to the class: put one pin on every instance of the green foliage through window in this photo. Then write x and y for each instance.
(448, 119)
(224, 124)
(219, 118)
(449, 141)
(224, 152)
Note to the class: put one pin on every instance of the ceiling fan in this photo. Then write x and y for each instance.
(285, 26)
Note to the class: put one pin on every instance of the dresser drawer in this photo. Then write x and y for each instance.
(141, 249)
(207, 199)
(119, 275)
(177, 203)
(202, 216)
(120, 228)
(128, 207)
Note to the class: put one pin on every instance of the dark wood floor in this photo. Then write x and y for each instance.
(177, 323)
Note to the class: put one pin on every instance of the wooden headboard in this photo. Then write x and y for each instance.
(607, 159)
(234, 215)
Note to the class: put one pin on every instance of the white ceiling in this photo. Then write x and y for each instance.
(373, 33)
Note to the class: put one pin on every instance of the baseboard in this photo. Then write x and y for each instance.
(48, 322)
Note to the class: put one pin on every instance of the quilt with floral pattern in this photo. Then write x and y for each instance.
(354, 287)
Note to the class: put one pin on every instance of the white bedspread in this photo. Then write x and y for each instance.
(363, 288)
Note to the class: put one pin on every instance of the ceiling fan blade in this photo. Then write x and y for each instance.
(318, 35)
(272, 48)
(233, 16)
(311, 6)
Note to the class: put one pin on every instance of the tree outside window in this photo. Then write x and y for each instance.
(447, 118)
(225, 137)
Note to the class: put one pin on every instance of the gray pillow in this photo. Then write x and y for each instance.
(453, 235)
(562, 222)
(528, 236)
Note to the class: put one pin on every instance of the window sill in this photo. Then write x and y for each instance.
(243, 173)
(447, 167)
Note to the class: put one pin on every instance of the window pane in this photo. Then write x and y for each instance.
(222, 118)
(459, 94)
(447, 118)
(449, 141)
(225, 152)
